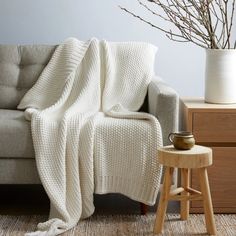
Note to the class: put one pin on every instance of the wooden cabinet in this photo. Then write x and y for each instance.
(215, 126)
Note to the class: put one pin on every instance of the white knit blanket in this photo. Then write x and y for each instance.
(87, 134)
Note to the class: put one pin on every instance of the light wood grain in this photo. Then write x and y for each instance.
(172, 158)
(184, 204)
(176, 191)
(200, 104)
(196, 157)
(207, 203)
(214, 125)
(163, 202)
(186, 199)
(193, 191)
(222, 177)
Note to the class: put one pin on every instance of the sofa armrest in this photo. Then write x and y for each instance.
(163, 103)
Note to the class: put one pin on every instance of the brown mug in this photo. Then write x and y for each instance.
(182, 140)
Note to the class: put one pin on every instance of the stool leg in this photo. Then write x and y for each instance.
(184, 204)
(207, 203)
(163, 202)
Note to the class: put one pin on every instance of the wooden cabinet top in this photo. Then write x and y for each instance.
(200, 105)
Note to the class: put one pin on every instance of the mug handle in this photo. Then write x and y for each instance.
(170, 137)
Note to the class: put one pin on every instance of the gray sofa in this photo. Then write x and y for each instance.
(20, 66)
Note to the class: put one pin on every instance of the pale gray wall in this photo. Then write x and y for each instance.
(51, 21)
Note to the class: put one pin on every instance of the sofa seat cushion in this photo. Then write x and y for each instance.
(15, 135)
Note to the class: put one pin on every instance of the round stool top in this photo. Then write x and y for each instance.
(196, 157)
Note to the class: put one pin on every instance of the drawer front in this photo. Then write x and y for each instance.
(222, 178)
(214, 127)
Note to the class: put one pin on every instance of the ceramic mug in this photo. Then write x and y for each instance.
(182, 140)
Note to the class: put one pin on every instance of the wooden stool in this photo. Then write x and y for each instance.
(198, 157)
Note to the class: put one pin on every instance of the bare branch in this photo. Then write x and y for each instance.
(230, 26)
(205, 23)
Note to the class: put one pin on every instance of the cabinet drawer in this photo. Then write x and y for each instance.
(222, 180)
(214, 127)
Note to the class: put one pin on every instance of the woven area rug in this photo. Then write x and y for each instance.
(121, 225)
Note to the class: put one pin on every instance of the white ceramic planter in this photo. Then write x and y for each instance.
(220, 76)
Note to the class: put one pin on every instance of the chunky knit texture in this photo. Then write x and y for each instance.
(86, 132)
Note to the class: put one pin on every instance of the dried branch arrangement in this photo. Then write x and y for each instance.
(206, 23)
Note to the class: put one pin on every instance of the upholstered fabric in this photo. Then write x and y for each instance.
(18, 171)
(15, 169)
(15, 135)
(20, 67)
(163, 103)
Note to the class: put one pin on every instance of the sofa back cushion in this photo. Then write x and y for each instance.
(20, 67)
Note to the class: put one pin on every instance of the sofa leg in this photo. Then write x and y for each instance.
(143, 208)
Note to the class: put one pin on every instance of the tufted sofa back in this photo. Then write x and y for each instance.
(20, 67)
